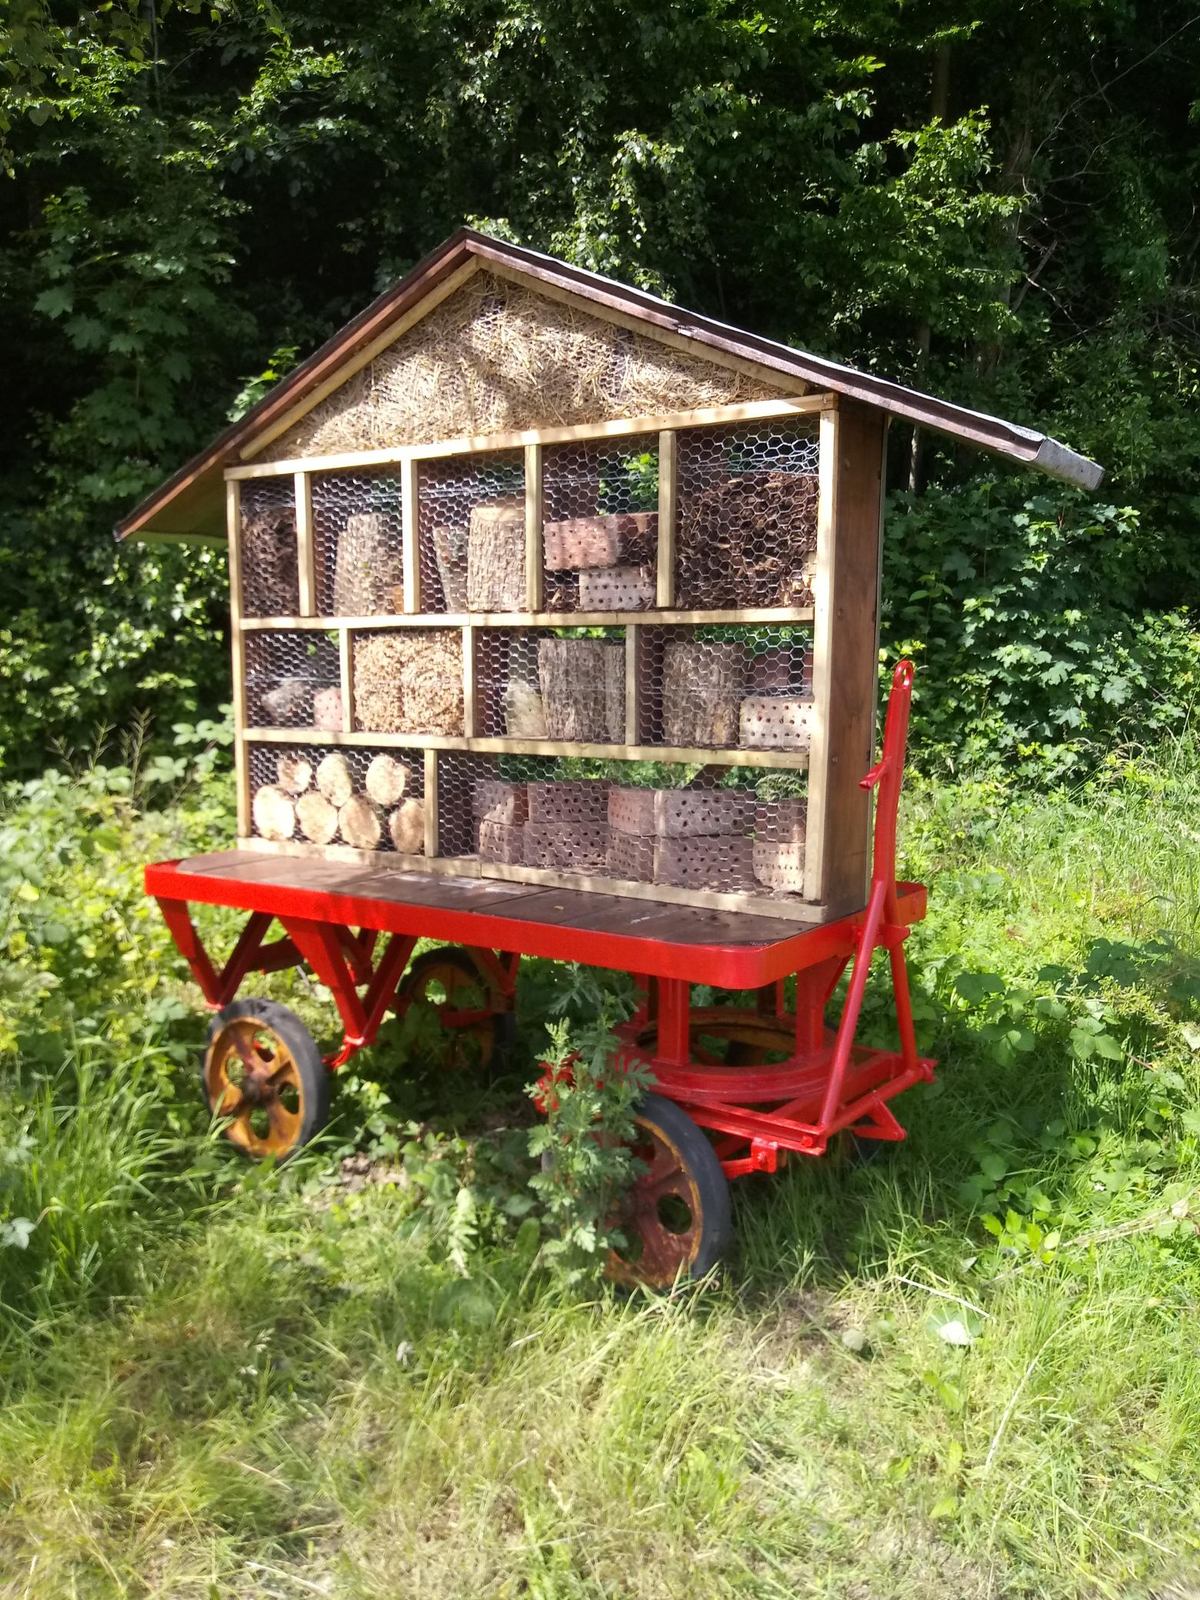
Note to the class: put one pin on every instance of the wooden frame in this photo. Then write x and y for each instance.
(844, 618)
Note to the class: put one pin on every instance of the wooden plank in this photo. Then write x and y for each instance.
(429, 302)
(845, 667)
(431, 806)
(760, 905)
(468, 667)
(305, 559)
(386, 860)
(612, 428)
(346, 678)
(774, 760)
(241, 756)
(668, 477)
(410, 536)
(537, 619)
(534, 563)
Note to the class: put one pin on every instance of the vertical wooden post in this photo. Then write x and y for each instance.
(409, 534)
(304, 546)
(346, 677)
(468, 670)
(667, 487)
(534, 566)
(241, 756)
(634, 656)
(845, 654)
(431, 803)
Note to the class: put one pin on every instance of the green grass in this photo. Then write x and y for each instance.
(223, 1383)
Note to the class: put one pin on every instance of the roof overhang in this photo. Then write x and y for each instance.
(190, 503)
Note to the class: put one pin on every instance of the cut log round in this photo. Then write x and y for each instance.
(293, 774)
(334, 780)
(359, 824)
(387, 779)
(273, 812)
(524, 713)
(318, 819)
(450, 550)
(583, 689)
(368, 565)
(496, 555)
(702, 693)
(406, 825)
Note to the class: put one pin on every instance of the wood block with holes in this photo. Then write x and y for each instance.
(493, 800)
(775, 722)
(602, 541)
(571, 846)
(676, 813)
(779, 864)
(501, 841)
(617, 589)
(568, 800)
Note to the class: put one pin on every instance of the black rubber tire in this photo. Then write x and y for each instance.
(711, 1191)
(311, 1068)
(504, 1023)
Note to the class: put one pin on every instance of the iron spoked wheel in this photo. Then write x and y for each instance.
(676, 1217)
(263, 1071)
(449, 980)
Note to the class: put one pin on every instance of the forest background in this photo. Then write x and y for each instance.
(992, 200)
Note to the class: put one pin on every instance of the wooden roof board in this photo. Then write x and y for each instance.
(188, 504)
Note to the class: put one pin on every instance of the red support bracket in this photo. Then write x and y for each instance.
(249, 954)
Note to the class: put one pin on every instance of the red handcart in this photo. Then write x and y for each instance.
(737, 1088)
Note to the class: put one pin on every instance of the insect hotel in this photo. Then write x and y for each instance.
(555, 631)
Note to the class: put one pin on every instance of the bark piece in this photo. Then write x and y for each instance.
(387, 779)
(450, 553)
(273, 812)
(293, 774)
(334, 780)
(368, 565)
(702, 692)
(406, 827)
(496, 555)
(359, 824)
(317, 817)
(524, 712)
(583, 689)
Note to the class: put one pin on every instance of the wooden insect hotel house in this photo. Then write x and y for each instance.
(534, 581)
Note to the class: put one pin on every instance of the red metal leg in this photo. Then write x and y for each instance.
(249, 954)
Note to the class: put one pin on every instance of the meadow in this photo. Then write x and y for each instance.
(966, 1368)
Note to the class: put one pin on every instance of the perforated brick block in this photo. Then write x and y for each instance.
(493, 800)
(568, 800)
(723, 862)
(775, 722)
(679, 812)
(782, 820)
(501, 841)
(617, 589)
(632, 857)
(569, 846)
(779, 866)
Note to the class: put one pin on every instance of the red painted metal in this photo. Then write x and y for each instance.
(759, 1110)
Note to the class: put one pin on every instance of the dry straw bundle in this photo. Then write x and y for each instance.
(495, 358)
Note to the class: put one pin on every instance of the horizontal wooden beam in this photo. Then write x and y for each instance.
(616, 428)
(790, 907)
(532, 619)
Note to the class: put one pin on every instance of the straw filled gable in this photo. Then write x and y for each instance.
(497, 357)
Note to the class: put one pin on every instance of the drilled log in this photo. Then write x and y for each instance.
(318, 819)
(702, 693)
(496, 555)
(583, 689)
(273, 812)
(368, 565)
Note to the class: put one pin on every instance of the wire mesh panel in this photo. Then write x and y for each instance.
(600, 527)
(734, 831)
(292, 680)
(370, 799)
(543, 683)
(719, 686)
(269, 551)
(357, 543)
(471, 532)
(409, 680)
(747, 515)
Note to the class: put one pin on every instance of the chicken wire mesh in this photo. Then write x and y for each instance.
(718, 686)
(408, 680)
(268, 548)
(548, 684)
(370, 799)
(747, 515)
(358, 550)
(734, 830)
(471, 532)
(293, 680)
(600, 524)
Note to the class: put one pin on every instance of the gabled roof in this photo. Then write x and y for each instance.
(190, 502)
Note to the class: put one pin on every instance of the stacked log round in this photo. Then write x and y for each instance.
(406, 828)
(317, 817)
(274, 814)
(387, 779)
(334, 779)
(359, 823)
(293, 774)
